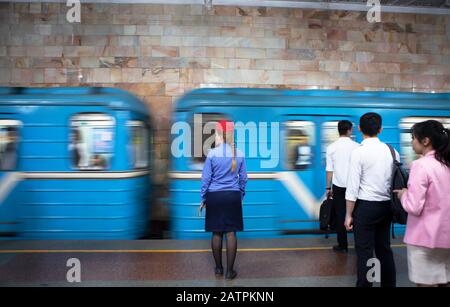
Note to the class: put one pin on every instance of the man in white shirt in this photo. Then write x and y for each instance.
(368, 202)
(338, 163)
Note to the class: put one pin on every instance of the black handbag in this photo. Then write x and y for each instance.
(326, 216)
(399, 181)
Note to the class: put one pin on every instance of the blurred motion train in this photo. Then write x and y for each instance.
(74, 163)
(285, 154)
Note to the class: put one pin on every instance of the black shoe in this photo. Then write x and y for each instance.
(218, 271)
(340, 249)
(231, 275)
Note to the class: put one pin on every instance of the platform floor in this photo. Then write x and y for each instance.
(260, 263)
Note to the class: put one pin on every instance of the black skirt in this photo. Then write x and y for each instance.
(224, 211)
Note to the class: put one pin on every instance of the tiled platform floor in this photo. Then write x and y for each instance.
(260, 263)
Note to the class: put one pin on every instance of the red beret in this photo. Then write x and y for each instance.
(224, 125)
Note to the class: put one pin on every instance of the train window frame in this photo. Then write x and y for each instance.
(197, 163)
(405, 136)
(146, 129)
(108, 122)
(9, 123)
(324, 145)
(312, 143)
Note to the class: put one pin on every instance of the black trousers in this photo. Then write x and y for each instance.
(371, 229)
(339, 207)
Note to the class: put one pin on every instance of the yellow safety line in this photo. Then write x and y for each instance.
(36, 251)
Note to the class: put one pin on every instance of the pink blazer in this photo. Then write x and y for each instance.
(428, 203)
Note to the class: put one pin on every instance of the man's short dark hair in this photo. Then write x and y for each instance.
(344, 126)
(370, 124)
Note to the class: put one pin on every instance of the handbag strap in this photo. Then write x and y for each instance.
(394, 157)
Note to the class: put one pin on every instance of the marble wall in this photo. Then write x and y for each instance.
(158, 52)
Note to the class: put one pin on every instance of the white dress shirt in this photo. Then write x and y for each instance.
(370, 171)
(338, 159)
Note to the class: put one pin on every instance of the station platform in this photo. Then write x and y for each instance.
(284, 262)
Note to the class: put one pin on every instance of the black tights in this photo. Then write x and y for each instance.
(216, 246)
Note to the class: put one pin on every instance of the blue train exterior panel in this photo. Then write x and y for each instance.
(55, 199)
(89, 209)
(260, 209)
(281, 199)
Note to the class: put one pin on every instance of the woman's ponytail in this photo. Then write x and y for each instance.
(230, 142)
(233, 162)
(227, 130)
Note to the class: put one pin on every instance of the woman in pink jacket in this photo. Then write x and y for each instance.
(427, 201)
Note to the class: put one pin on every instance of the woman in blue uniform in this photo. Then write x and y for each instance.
(223, 187)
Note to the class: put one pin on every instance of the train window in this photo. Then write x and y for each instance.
(330, 134)
(407, 153)
(9, 139)
(207, 122)
(139, 144)
(300, 140)
(92, 141)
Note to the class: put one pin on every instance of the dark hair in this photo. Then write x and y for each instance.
(344, 126)
(439, 138)
(370, 124)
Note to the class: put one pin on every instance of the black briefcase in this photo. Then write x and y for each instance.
(326, 216)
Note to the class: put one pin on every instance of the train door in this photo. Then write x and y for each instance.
(300, 144)
(299, 150)
(140, 158)
(9, 176)
(304, 142)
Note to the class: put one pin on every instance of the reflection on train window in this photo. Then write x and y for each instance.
(203, 137)
(9, 139)
(139, 144)
(330, 134)
(300, 141)
(407, 153)
(91, 141)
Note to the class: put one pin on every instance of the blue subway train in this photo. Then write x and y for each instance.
(284, 135)
(75, 163)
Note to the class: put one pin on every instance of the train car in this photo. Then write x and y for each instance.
(74, 164)
(285, 154)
